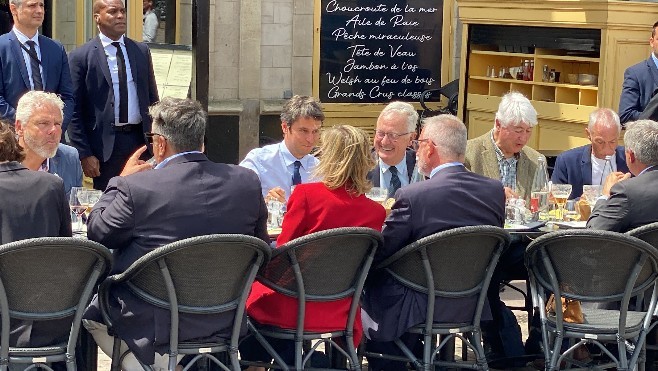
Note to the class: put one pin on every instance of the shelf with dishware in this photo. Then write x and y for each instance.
(546, 75)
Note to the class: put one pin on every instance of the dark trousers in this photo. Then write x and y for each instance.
(412, 341)
(125, 144)
(510, 267)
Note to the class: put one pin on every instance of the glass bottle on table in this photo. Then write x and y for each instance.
(540, 191)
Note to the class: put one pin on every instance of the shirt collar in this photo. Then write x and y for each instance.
(443, 166)
(45, 165)
(399, 165)
(499, 153)
(107, 41)
(289, 159)
(23, 39)
(646, 169)
(166, 160)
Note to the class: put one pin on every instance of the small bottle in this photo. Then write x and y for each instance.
(539, 191)
(531, 74)
(607, 169)
(526, 70)
(545, 74)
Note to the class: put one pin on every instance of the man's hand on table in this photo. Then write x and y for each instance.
(134, 164)
(612, 179)
(276, 193)
(509, 193)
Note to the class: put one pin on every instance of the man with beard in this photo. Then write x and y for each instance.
(39, 128)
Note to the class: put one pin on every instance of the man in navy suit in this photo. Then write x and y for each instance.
(29, 61)
(396, 127)
(39, 127)
(452, 197)
(135, 215)
(587, 164)
(114, 85)
(640, 83)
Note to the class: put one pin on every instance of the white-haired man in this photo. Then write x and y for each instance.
(396, 127)
(587, 164)
(39, 128)
(502, 153)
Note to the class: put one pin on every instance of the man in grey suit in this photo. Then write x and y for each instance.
(186, 195)
(396, 127)
(640, 83)
(39, 127)
(457, 198)
(628, 202)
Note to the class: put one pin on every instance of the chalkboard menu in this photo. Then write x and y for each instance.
(376, 51)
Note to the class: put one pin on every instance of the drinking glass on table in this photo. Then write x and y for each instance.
(274, 214)
(377, 194)
(591, 194)
(77, 202)
(571, 213)
(560, 193)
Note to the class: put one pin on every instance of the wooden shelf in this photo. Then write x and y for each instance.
(503, 54)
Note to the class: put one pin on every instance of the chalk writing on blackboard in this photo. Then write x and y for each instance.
(377, 51)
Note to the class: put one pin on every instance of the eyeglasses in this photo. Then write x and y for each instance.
(393, 137)
(415, 144)
(149, 137)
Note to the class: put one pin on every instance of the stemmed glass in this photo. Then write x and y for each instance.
(560, 193)
(377, 194)
(78, 204)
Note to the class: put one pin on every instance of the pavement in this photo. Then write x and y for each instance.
(510, 297)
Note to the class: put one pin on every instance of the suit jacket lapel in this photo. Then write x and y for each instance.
(586, 165)
(410, 157)
(132, 59)
(621, 159)
(653, 71)
(523, 173)
(102, 61)
(490, 166)
(45, 61)
(18, 54)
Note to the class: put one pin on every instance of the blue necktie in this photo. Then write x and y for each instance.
(395, 181)
(34, 66)
(296, 177)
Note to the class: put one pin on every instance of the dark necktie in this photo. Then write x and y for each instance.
(395, 181)
(34, 66)
(123, 85)
(296, 176)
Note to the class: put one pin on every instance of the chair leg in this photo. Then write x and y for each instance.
(476, 341)
(299, 355)
(116, 355)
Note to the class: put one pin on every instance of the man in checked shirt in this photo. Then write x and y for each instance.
(502, 154)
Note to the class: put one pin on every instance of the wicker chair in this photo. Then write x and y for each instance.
(322, 266)
(199, 275)
(50, 278)
(456, 263)
(593, 266)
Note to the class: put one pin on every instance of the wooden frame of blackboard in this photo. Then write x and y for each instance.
(364, 114)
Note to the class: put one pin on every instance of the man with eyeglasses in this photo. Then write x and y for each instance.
(452, 197)
(186, 196)
(29, 61)
(283, 165)
(396, 127)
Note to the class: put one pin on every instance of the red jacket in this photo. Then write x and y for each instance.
(313, 207)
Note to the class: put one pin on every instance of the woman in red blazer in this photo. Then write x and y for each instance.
(338, 201)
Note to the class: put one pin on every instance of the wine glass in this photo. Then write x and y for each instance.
(93, 195)
(560, 193)
(77, 200)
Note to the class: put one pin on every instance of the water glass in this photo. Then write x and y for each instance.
(274, 214)
(591, 194)
(377, 194)
(571, 211)
(78, 208)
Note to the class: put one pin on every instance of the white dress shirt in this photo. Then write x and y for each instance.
(134, 116)
(385, 174)
(23, 39)
(598, 177)
(274, 165)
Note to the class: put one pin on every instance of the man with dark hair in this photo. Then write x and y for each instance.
(640, 83)
(29, 61)
(283, 165)
(150, 22)
(114, 86)
(135, 216)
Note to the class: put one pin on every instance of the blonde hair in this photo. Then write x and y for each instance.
(345, 159)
